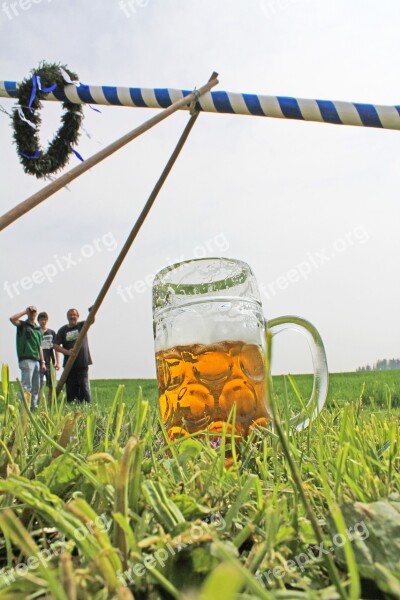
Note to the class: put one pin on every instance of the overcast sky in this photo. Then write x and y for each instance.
(320, 200)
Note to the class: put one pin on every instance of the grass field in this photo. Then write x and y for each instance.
(95, 503)
(375, 388)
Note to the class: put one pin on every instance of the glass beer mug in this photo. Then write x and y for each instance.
(210, 343)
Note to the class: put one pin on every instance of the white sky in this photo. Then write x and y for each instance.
(275, 193)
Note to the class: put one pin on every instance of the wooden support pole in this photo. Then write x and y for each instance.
(27, 205)
(124, 250)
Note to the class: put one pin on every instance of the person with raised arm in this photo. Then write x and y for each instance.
(29, 351)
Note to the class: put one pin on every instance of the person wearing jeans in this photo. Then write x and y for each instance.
(29, 352)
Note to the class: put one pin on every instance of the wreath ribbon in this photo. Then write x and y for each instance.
(36, 83)
(34, 157)
(68, 79)
(23, 117)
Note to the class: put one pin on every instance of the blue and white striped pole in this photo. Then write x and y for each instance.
(281, 107)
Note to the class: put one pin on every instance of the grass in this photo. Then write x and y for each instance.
(377, 389)
(104, 507)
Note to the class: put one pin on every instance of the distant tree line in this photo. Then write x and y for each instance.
(382, 365)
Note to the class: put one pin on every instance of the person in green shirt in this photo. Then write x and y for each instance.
(29, 352)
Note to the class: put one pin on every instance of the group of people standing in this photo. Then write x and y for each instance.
(39, 349)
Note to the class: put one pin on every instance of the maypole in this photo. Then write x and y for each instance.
(280, 107)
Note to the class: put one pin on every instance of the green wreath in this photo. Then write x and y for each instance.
(34, 160)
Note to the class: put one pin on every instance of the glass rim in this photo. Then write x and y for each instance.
(221, 284)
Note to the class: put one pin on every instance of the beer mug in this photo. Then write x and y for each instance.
(210, 344)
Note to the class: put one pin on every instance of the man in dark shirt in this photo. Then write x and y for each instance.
(77, 383)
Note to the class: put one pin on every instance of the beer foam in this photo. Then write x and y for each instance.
(210, 323)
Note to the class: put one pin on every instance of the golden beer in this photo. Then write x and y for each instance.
(199, 385)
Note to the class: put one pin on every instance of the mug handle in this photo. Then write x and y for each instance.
(321, 376)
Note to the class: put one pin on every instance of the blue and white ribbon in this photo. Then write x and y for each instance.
(36, 83)
(22, 116)
(281, 107)
(45, 90)
(74, 82)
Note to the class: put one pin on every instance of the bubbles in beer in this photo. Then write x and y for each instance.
(241, 393)
(251, 362)
(196, 399)
(165, 407)
(174, 370)
(161, 375)
(200, 383)
(212, 365)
